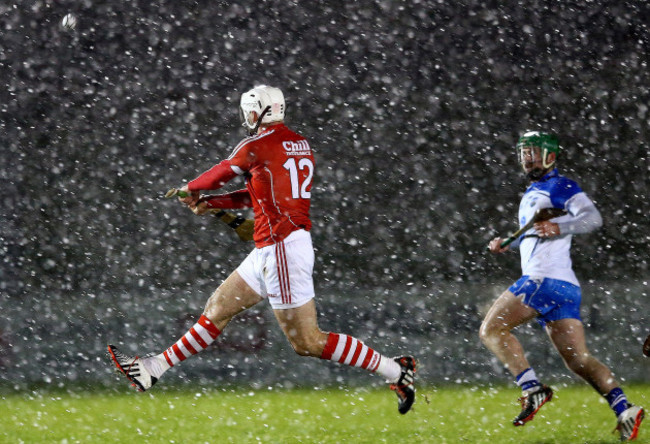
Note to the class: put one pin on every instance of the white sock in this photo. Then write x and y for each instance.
(156, 365)
(389, 369)
(528, 381)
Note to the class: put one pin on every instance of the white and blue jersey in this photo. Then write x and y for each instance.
(551, 258)
(548, 283)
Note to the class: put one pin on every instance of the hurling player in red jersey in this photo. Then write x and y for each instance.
(278, 166)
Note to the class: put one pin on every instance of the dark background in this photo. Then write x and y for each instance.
(413, 109)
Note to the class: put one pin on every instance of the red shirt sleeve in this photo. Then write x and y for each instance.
(244, 156)
(214, 178)
(234, 200)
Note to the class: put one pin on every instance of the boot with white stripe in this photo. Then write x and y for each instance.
(629, 423)
(532, 400)
(133, 368)
(404, 387)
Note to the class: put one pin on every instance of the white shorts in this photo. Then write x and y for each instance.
(282, 272)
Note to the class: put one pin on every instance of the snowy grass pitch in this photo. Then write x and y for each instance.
(453, 415)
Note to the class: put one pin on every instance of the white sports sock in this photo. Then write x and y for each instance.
(156, 365)
(389, 369)
(528, 381)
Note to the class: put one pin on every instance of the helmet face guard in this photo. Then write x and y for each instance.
(262, 104)
(534, 147)
(248, 119)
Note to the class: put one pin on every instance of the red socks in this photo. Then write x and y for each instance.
(350, 351)
(202, 334)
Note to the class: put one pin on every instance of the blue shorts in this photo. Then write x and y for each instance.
(553, 299)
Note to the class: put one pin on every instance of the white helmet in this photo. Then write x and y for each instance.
(266, 101)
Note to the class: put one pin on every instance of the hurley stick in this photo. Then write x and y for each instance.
(243, 227)
(540, 215)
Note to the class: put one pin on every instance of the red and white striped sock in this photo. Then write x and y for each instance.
(198, 338)
(350, 351)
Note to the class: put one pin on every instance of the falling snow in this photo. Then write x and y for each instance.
(413, 109)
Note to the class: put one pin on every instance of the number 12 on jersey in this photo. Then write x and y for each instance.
(298, 190)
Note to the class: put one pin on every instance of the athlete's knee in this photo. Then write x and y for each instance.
(484, 333)
(490, 331)
(213, 309)
(215, 312)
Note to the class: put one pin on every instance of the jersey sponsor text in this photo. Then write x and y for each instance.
(297, 148)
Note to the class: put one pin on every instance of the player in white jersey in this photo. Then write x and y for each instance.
(548, 289)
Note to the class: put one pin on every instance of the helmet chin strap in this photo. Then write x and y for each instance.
(259, 121)
(544, 157)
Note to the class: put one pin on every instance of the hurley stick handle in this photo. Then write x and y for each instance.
(175, 192)
(541, 214)
(243, 227)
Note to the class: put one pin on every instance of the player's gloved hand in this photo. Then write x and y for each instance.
(495, 246)
(547, 229)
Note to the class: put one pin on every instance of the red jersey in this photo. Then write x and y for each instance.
(278, 165)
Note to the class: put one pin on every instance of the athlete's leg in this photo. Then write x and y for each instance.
(568, 337)
(300, 326)
(233, 296)
(506, 313)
